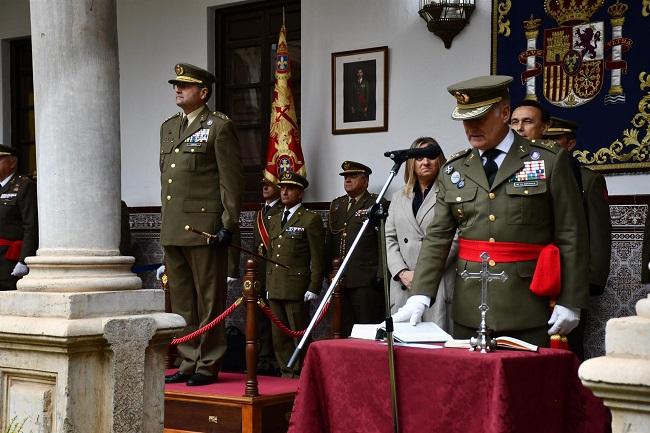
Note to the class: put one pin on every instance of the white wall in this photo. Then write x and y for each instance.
(156, 34)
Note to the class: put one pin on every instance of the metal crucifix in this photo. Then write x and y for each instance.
(483, 341)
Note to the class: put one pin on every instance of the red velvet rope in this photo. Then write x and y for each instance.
(209, 326)
(295, 334)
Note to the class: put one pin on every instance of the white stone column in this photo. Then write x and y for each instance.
(622, 377)
(77, 106)
(81, 346)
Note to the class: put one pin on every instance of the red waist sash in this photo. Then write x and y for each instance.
(13, 252)
(546, 280)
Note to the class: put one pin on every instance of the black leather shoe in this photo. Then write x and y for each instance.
(199, 379)
(177, 377)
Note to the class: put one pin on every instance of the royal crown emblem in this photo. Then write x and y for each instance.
(570, 12)
(179, 70)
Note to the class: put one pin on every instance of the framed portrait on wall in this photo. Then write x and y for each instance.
(360, 91)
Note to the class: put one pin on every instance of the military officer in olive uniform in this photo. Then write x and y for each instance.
(363, 300)
(595, 200)
(18, 220)
(201, 179)
(266, 362)
(518, 201)
(297, 240)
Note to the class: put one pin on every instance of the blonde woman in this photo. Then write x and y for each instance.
(411, 211)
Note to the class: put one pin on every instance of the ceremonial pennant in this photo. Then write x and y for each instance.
(284, 152)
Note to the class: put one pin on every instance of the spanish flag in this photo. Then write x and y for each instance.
(284, 152)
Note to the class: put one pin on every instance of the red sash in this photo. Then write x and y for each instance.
(547, 276)
(13, 252)
(261, 228)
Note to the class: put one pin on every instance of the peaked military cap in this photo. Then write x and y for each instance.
(266, 181)
(7, 151)
(351, 167)
(186, 73)
(291, 178)
(560, 127)
(476, 96)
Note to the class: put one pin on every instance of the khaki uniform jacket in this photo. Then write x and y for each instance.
(300, 245)
(257, 238)
(201, 177)
(537, 212)
(594, 193)
(19, 215)
(365, 264)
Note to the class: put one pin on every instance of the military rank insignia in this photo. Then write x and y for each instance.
(8, 196)
(200, 136)
(533, 170)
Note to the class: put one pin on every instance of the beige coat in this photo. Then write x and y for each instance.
(404, 235)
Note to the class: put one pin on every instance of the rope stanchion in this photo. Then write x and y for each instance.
(295, 334)
(210, 325)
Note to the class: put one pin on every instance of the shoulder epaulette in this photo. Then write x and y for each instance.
(220, 115)
(172, 116)
(458, 154)
(546, 144)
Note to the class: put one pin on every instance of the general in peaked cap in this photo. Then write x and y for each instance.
(352, 167)
(190, 74)
(560, 127)
(291, 178)
(475, 97)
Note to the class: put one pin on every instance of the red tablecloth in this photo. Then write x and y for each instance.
(344, 388)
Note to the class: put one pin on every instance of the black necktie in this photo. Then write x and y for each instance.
(183, 125)
(491, 166)
(351, 204)
(285, 218)
(267, 208)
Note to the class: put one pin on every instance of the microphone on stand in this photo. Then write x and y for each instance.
(431, 152)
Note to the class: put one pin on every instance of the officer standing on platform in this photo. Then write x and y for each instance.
(266, 362)
(518, 201)
(297, 240)
(18, 220)
(201, 182)
(363, 300)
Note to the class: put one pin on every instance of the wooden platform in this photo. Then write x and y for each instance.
(222, 408)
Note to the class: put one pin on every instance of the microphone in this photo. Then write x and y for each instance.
(431, 152)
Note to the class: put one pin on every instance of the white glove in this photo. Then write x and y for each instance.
(412, 310)
(20, 270)
(232, 282)
(159, 272)
(310, 296)
(563, 319)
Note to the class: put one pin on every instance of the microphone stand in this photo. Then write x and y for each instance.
(376, 215)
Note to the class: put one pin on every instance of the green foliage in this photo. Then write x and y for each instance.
(15, 426)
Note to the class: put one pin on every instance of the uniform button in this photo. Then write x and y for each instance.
(176, 150)
(492, 218)
(492, 262)
(277, 255)
(458, 199)
(344, 234)
(492, 240)
(279, 246)
(191, 150)
(276, 266)
(345, 224)
(406, 241)
(169, 197)
(169, 181)
(202, 209)
(280, 236)
(162, 152)
(526, 191)
(173, 165)
(492, 196)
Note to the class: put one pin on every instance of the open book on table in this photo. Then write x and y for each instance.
(404, 332)
(502, 343)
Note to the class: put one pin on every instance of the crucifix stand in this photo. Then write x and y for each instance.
(483, 341)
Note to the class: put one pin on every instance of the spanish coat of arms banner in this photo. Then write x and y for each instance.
(583, 60)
